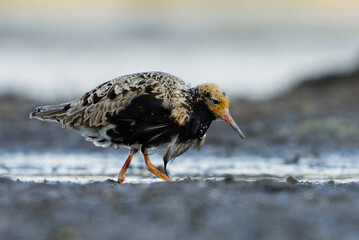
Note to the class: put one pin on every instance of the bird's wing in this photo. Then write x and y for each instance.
(94, 107)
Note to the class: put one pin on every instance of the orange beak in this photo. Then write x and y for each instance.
(228, 119)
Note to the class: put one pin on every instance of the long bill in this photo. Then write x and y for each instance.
(228, 119)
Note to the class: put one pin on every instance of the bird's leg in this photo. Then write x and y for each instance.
(150, 167)
(121, 175)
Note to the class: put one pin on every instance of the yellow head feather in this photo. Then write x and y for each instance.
(210, 91)
(218, 109)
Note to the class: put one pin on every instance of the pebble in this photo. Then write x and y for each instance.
(291, 180)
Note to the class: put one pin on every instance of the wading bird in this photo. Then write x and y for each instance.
(142, 111)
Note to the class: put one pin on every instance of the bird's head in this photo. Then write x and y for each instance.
(218, 103)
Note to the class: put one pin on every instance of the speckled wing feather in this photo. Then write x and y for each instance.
(93, 109)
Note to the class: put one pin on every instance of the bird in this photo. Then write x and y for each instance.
(143, 111)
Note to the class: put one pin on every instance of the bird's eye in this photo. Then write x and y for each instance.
(215, 101)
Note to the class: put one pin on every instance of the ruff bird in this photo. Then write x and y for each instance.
(141, 111)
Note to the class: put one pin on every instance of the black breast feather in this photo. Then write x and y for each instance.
(200, 121)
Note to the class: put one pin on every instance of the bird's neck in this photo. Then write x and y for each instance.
(199, 107)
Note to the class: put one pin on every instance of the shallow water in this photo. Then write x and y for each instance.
(89, 167)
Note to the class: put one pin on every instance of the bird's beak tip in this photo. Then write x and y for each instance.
(228, 119)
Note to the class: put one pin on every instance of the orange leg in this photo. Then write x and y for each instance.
(150, 167)
(121, 175)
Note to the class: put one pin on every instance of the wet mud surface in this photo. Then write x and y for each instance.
(187, 209)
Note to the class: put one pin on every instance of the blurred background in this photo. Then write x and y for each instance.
(53, 50)
(291, 69)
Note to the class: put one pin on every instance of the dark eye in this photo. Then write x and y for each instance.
(215, 101)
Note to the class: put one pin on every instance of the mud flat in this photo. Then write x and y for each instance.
(187, 209)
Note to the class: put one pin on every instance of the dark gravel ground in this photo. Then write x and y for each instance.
(318, 116)
(188, 209)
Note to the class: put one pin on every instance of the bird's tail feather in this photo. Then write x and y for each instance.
(51, 113)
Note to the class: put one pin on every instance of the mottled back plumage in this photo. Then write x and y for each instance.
(113, 96)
